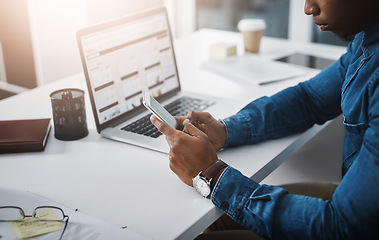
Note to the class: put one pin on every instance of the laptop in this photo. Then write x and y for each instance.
(123, 58)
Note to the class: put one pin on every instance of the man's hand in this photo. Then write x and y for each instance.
(190, 150)
(204, 121)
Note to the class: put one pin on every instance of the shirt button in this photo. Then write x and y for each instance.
(226, 206)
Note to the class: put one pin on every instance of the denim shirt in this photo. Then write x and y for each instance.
(348, 86)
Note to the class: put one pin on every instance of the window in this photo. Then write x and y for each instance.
(225, 14)
(284, 18)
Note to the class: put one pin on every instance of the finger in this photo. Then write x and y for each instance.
(203, 117)
(190, 129)
(180, 119)
(191, 115)
(190, 118)
(163, 127)
(185, 119)
(197, 118)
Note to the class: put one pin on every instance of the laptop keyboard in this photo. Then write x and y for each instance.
(180, 107)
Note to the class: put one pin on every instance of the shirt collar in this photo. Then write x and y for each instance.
(370, 42)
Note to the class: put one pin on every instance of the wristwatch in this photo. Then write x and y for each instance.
(202, 182)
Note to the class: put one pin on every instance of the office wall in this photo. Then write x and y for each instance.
(16, 43)
(103, 10)
(3, 76)
(54, 24)
(182, 15)
(299, 28)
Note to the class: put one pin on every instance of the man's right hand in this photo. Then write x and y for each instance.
(204, 121)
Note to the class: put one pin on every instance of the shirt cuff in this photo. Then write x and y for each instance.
(230, 190)
(238, 130)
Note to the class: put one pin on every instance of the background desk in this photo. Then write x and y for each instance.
(134, 187)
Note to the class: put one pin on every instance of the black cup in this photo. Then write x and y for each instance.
(69, 114)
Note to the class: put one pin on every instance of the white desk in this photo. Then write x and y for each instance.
(131, 186)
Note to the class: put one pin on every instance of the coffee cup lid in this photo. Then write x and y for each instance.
(251, 24)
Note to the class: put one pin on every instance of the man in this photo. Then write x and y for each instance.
(348, 86)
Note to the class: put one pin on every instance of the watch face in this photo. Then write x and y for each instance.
(201, 186)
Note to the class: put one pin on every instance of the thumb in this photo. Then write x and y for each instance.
(163, 127)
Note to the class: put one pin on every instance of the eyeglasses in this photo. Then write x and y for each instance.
(41, 213)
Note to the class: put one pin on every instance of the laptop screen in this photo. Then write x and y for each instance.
(124, 57)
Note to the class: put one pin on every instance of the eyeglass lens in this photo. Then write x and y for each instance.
(48, 213)
(40, 213)
(11, 213)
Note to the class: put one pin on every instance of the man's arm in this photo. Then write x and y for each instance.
(272, 212)
(290, 111)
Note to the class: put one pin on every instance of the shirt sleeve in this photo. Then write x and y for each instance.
(272, 212)
(292, 110)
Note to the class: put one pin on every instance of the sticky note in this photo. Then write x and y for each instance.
(32, 228)
(222, 50)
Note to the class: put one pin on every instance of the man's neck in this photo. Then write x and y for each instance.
(375, 22)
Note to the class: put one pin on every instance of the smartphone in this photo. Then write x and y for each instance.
(159, 111)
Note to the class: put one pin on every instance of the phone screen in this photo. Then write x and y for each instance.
(159, 111)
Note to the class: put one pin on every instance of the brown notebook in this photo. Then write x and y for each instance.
(24, 135)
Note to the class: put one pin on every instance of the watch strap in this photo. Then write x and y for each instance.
(213, 169)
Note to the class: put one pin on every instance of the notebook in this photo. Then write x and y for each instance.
(126, 56)
(27, 135)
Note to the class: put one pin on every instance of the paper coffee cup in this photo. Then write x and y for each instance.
(252, 31)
